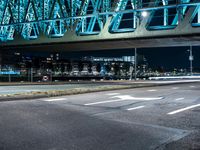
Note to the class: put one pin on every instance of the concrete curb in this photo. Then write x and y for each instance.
(46, 94)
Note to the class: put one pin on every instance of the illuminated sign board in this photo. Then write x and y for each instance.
(9, 73)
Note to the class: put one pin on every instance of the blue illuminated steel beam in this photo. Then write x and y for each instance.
(53, 18)
(117, 19)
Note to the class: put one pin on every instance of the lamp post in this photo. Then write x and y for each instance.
(135, 77)
(31, 72)
(133, 66)
(191, 58)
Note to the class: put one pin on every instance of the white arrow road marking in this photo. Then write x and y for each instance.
(125, 98)
(183, 109)
(103, 102)
(128, 97)
(134, 108)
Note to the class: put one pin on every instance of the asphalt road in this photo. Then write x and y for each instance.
(151, 118)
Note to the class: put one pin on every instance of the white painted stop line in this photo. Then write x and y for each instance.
(183, 109)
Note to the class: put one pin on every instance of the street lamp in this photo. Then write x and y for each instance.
(191, 58)
(135, 67)
(144, 14)
(135, 64)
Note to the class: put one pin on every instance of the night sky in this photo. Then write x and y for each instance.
(167, 58)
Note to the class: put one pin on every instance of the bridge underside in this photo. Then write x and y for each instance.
(99, 24)
(110, 44)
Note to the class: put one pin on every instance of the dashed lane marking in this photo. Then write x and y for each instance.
(153, 90)
(112, 94)
(55, 99)
(178, 99)
(134, 108)
(192, 86)
(183, 109)
(175, 88)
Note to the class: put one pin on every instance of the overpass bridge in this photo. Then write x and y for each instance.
(99, 24)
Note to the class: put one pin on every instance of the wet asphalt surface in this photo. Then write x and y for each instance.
(151, 118)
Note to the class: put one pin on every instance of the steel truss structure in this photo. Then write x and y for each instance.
(54, 18)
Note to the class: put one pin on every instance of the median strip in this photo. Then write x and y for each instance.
(108, 86)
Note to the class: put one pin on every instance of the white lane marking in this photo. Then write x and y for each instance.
(111, 94)
(175, 88)
(103, 102)
(55, 99)
(153, 90)
(134, 108)
(178, 99)
(176, 81)
(183, 109)
(192, 86)
(124, 98)
(128, 97)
